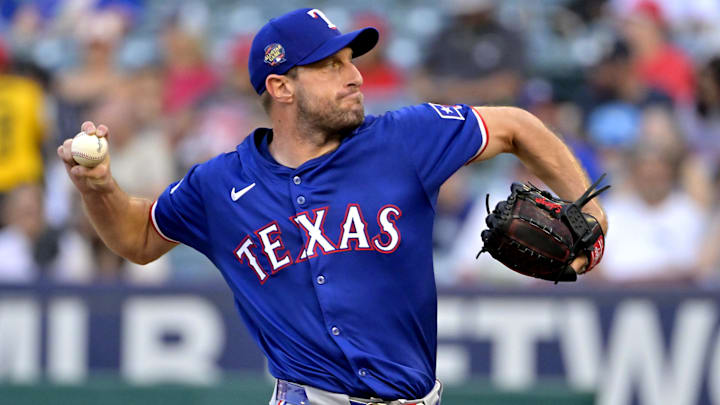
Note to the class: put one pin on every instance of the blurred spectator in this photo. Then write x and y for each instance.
(656, 61)
(22, 128)
(709, 260)
(659, 128)
(612, 83)
(25, 22)
(613, 100)
(692, 23)
(142, 159)
(189, 78)
(225, 116)
(454, 203)
(27, 244)
(645, 246)
(83, 256)
(97, 76)
(238, 75)
(701, 121)
(383, 82)
(475, 59)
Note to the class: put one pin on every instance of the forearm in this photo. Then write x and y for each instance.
(121, 221)
(552, 161)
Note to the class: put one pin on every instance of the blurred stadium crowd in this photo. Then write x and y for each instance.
(633, 86)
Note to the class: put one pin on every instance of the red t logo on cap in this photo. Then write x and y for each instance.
(315, 13)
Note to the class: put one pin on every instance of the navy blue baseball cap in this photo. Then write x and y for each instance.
(301, 37)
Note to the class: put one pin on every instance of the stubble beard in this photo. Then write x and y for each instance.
(327, 117)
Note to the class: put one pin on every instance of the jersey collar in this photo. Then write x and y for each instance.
(257, 142)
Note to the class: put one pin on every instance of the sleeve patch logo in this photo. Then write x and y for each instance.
(448, 112)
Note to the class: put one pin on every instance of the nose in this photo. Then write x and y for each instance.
(355, 77)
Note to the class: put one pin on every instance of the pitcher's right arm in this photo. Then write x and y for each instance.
(122, 221)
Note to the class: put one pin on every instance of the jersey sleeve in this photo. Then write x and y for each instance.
(178, 215)
(438, 139)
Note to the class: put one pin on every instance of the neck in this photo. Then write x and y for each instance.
(295, 142)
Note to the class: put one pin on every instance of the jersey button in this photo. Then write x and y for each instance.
(297, 180)
(335, 330)
(301, 199)
(321, 280)
(362, 372)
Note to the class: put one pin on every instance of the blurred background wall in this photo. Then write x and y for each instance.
(633, 86)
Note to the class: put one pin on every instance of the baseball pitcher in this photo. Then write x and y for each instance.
(322, 224)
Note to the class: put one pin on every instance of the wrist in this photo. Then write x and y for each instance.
(595, 246)
(98, 192)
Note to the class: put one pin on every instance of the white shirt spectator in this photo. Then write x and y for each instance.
(17, 264)
(652, 242)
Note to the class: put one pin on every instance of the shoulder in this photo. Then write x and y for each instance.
(421, 118)
(410, 114)
(216, 166)
(223, 161)
(387, 122)
(233, 159)
(407, 111)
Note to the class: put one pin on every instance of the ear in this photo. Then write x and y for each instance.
(281, 88)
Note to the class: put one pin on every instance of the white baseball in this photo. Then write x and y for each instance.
(88, 150)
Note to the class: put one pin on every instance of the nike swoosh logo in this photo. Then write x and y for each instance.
(235, 195)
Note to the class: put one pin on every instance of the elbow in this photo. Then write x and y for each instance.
(520, 116)
(142, 259)
(137, 257)
(147, 250)
(527, 123)
(522, 124)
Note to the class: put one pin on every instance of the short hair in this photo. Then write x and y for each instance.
(266, 99)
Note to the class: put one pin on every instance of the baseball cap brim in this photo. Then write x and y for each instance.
(360, 41)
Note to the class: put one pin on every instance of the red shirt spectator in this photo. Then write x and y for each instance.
(189, 77)
(183, 87)
(670, 70)
(381, 78)
(657, 62)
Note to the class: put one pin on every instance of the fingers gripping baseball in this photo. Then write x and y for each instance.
(86, 159)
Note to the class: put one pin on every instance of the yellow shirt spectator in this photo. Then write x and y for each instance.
(21, 131)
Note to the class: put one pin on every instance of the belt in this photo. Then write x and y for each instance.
(288, 393)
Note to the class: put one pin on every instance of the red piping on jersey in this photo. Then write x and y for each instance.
(487, 136)
(155, 226)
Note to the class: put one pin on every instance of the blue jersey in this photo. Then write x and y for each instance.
(331, 263)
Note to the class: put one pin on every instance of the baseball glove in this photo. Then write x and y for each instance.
(539, 235)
